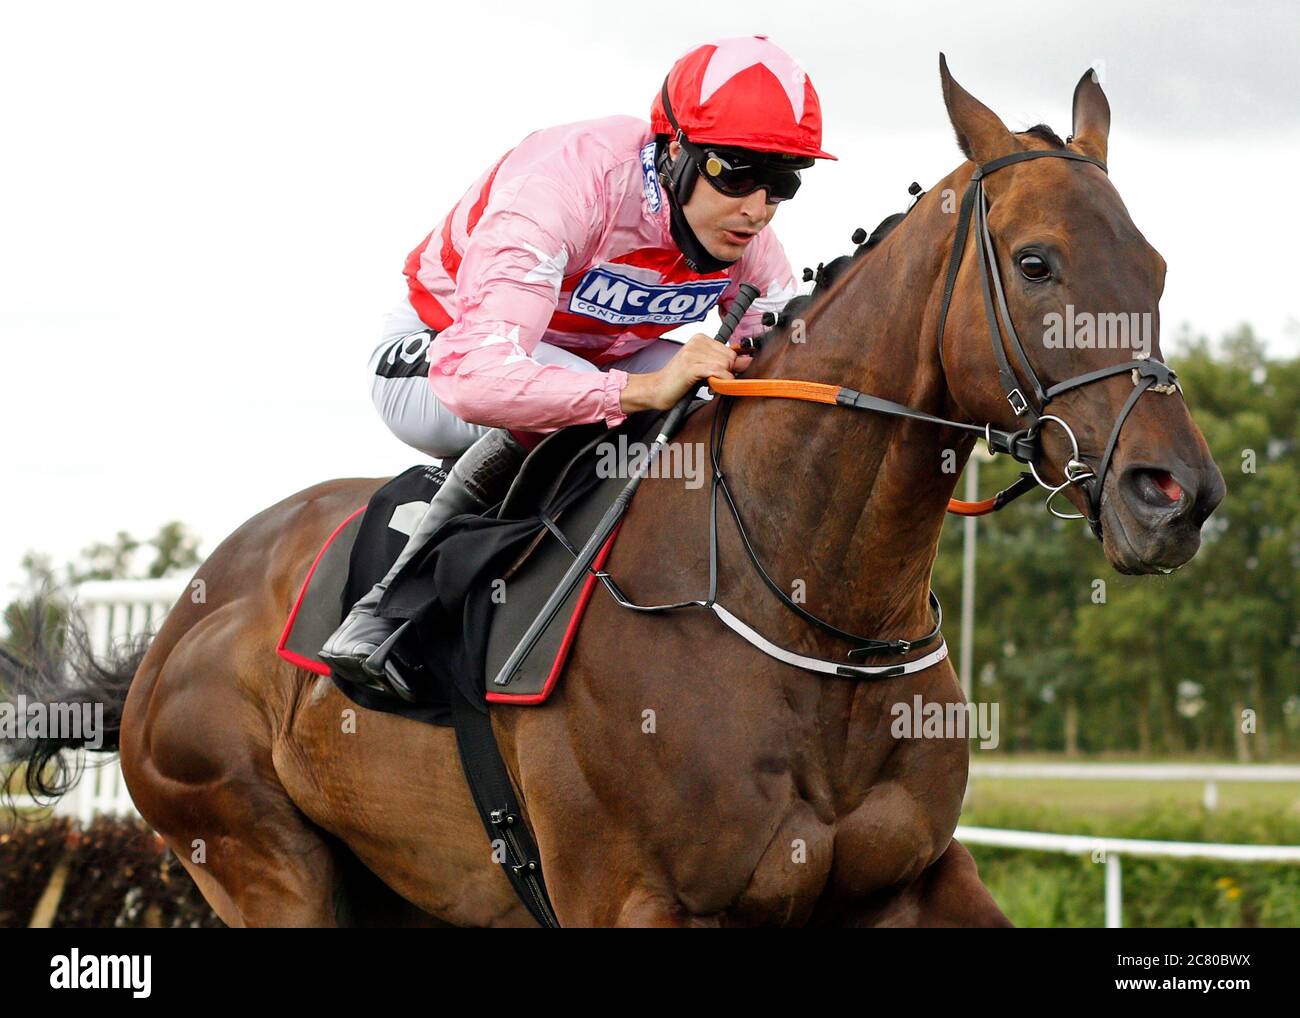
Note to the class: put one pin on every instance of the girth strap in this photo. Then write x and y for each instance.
(498, 807)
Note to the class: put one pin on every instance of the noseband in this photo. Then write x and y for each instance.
(1147, 373)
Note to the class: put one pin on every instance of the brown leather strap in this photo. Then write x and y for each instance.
(824, 392)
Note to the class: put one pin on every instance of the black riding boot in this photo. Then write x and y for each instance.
(359, 649)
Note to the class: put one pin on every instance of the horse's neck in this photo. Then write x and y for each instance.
(852, 502)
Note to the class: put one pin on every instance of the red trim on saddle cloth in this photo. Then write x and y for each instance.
(297, 659)
(570, 632)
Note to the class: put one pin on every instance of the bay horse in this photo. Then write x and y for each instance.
(678, 776)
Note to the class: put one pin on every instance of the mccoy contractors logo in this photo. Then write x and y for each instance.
(621, 300)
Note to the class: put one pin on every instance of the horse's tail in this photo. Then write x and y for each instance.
(59, 696)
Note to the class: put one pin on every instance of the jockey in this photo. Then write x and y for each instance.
(539, 301)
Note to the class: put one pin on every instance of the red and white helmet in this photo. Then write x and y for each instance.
(746, 93)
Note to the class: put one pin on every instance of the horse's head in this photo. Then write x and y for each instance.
(1082, 289)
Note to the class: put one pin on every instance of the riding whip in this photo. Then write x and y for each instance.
(589, 551)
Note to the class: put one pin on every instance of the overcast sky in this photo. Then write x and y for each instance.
(205, 209)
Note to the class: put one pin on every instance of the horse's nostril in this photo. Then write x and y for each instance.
(1157, 489)
(1164, 480)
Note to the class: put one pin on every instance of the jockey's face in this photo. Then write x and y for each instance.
(724, 225)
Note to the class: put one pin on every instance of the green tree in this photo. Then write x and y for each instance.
(1166, 664)
(47, 589)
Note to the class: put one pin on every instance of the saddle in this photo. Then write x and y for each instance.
(480, 582)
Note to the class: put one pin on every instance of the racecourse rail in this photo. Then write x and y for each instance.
(119, 610)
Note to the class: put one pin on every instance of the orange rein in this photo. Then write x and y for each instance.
(820, 392)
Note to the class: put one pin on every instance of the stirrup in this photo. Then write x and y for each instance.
(379, 667)
(394, 683)
(388, 682)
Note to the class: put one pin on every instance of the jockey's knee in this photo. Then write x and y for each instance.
(411, 411)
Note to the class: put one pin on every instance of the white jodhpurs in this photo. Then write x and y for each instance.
(399, 383)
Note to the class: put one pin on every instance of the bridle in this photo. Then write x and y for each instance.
(1024, 445)
(1147, 373)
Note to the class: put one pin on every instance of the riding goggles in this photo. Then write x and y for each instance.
(737, 172)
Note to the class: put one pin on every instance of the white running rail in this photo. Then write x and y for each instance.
(1109, 851)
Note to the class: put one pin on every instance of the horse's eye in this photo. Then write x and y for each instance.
(1034, 267)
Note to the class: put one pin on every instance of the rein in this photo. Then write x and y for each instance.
(1018, 444)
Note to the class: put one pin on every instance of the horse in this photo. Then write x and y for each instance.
(678, 776)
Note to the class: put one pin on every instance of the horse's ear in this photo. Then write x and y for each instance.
(1091, 117)
(981, 135)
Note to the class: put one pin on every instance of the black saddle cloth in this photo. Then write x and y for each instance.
(372, 548)
(448, 586)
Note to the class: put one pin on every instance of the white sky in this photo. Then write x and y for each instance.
(204, 209)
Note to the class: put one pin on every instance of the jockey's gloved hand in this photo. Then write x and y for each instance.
(700, 357)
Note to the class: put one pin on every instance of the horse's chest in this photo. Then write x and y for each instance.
(884, 834)
(795, 798)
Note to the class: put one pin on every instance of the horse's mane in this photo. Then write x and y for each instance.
(1044, 133)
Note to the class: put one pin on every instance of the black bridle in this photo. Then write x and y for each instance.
(1147, 373)
(1024, 445)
